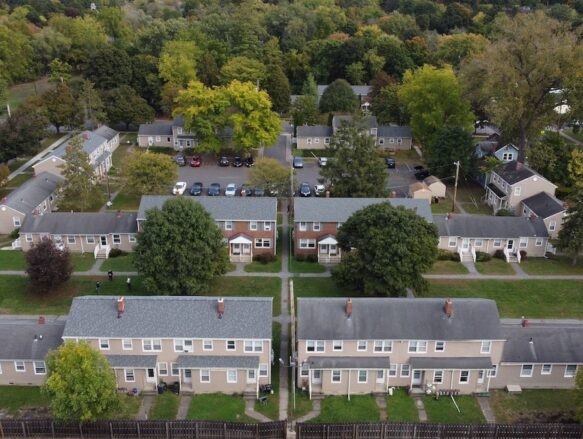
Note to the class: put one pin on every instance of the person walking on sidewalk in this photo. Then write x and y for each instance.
(97, 287)
(129, 283)
(110, 275)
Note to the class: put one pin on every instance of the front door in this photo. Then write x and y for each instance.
(481, 374)
(510, 244)
(187, 376)
(246, 249)
(103, 239)
(465, 244)
(317, 377)
(236, 249)
(417, 377)
(151, 375)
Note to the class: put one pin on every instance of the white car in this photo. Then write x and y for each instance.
(319, 190)
(322, 162)
(179, 188)
(231, 190)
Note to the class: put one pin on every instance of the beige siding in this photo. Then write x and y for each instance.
(144, 141)
(7, 215)
(510, 374)
(140, 382)
(316, 143)
(532, 250)
(385, 143)
(529, 187)
(53, 165)
(81, 245)
(558, 220)
(421, 194)
(10, 376)
(437, 189)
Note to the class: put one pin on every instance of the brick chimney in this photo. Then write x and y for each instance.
(121, 306)
(348, 307)
(448, 307)
(221, 307)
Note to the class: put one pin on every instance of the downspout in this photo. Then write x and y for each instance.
(82, 248)
(489, 378)
(452, 378)
(310, 384)
(257, 383)
(349, 370)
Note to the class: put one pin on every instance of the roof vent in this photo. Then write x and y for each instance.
(531, 341)
(448, 307)
(348, 307)
(121, 306)
(40, 337)
(118, 215)
(221, 307)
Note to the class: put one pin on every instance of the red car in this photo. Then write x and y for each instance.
(195, 161)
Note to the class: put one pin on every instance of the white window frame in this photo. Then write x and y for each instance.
(183, 345)
(380, 376)
(262, 243)
(569, 374)
(71, 239)
(486, 347)
(263, 370)
(317, 345)
(267, 226)
(90, 239)
(384, 345)
(538, 242)
(467, 379)
(335, 372)
(442, 344)
(131, 237)
(517, 191)
(40, 365)
(303, 226)
(337, 345)
(326, 140)
(124, 344)
(152, 343)
(16, 221)
(309, 140)
(131, 372)
(0, 368)
(497, 243)
(251, 379)
(207, 345)
(17, 364)
(205, 376)
(228, 225)
(163, 368)
(360, 371)
(438, 373)
(234, 342)
(526, 373)
(405, 370)
(230, 380)
(552, 226)
(316, 226)
(174, 371)
(307, 243)
(478, 243)
(253, 226)
(393, 370)
(452, 242)
(116, 238)
(305, 369)
(253, 345)
(493, 371)
(104, 344)
(415, 347)
(523, 243)
(359, 343)
(28, 237)
(546, 372)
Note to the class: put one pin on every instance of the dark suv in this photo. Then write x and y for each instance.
(223, 161)
(237, 162)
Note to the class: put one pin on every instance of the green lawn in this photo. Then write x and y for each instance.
(360, 408)
(558, 265)
(534, 406)
(18, 93)
(119, 263)
(218, 407)
(448, 267)
(479, 208)
(443, 410)
(401, 407)
(494, 266)
(531, 298)
(295, 266)
(271, 409)
(249, 287)
(19, 180)
(15, 260)
(127, 202)
(128, 408)
(17, 163)
(303, 404)
(50, 139)
(270, 267)
(15, 398)
(165, 407)
(444, 206)
(82, 262)
(578, 135)
(319, 287)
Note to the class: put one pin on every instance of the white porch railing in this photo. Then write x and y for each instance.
(101, 251)
(551, 248)
(507, 254)
(518, 256)
(16, 244)
(241, 258)
(473, 251)
(324, 258)
(465, 252)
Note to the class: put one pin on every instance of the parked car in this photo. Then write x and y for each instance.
(391, 163)
(195, 162)
(322, 162)
(237, 162)
(273, 190)
(214, 190)
(259, 191)
(249, 161)
(196, 188)
(319, 190)
(223, 161)
(179, 188)
(305, 190)
(298, 162)
(180, 160)
(422, 173)
(246, 190)
(231, 190)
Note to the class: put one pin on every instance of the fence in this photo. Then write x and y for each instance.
(47, 428)
(438, 431)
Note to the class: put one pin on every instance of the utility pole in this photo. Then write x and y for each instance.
(457, 173)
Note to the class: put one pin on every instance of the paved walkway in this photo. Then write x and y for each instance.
(484, 403)
(570, 138)
(250, 411)
(183, 406)
(471, 267)
(421, 409)
(382, 403)
(316, 409)
(285, 318)
(37, 157)
(145, 406)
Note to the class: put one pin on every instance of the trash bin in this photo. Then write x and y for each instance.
(161, 388)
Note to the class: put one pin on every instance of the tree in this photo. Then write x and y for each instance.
(180, 249)
(145, 78)
(270, 173)
(277, 86)
(386, 250)
(387, 107)
(451, 145)
(92, 104)
(338, 96)
(433, 99)
(47, 266)
(79, 191)
(60, 71)
(108, 68)
(62, 108)
(15, 54)
(402, 25)
(575, 168)
(147, 173)
(124, 105)
(178, 62)
(571, 234)
(4, 173)
(3, 95)
(22, 133)
(550, 155)
(513, 78)
(241, 68)
(453, 49)
(80, 383)
(355, 73)
(356, 169)
(305, 110)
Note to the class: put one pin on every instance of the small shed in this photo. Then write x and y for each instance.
(435, 186)
(420, 191)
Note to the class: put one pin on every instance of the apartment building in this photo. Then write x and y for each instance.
(207, 344)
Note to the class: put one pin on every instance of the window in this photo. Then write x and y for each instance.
(439, 346)
(380, 376)
(71, 240)
(316, 227)
(19, 366)
(338, 225)
(16, 221)
(251, 375)
(28, 237)
(315, 346)
(307, 243)
(405, 370)
(452, 242)
(174, 371)
(526, 370)
(163, 369)
(231, 345)
(157, 138)
(517, 191)
(266, 226)
(205, 376)
(316, 140)
(437, 376)
(362, 376)
(546, 369)
(309, 140)
(228, 225)
(486, 347)
(492, 372)
(207, 345)
(262, 243)
(393, 370)
(523, 242)
(399, 140)
(131, 237)
(361, 345)
(104, 344)
(116, 239)
(0, 369)
(40, 368)
(507, 156)
(464, 376)
(419, 347)
(303, 226)
(305, 369)
(127, 344)
(570, 370)
(183, 345)
(552, 226)
(151, 345)
(381, 141)
(253, 346)
(90, 239)
(336, 376)
(497, 243)
(337, 345)
(129, 375)
(383, 346)
(232, 376)
(263, 371)
(538, 242)
(326, 140)
(253, 225)
(392, 140)
(478, 243)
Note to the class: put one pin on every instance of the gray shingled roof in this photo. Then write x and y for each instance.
(33, 192)
(339, 120)
(450, 363)
(358, 90)
(169, 317)
(333, 210)
(544, 204)
(496, 190)
(78, 223)
(221, 208)
(397, 319)
(137, 361)
(155, 129)
(314, 131)
(514, 172)
(552, 342)
(217, 361)
(17, 338)
(106, 132)
(317, 362)
(91, 141)
(394, 131)
(487, 226)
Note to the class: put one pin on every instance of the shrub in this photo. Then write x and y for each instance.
(483, 257)
(444, 255)
(115, 252)
(312, 258)
(504, 212)
(300, 258)
(14, 234)
(499, 254)
(522, 254)
(455, 256)
(264, 258)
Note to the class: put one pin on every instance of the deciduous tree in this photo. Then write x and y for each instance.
(124, 105)
(80, 383)
(21, 134)
(147, 173)
(338, 96)
(178, 62)
(47, 266)
(451, 145)
(241, 68)
(571, 234)
(550, 155)
(386, 250)
(305, 110)
(575, 168)
(92, 104)
(109, 68)
(387, 107)
(4, 173)
(180, 249)
(270, 173)
(62, 108)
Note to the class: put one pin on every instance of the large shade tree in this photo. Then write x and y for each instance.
(449, 146)
(147, 173)
(47, 266)
(571, 234)
(387, 249)
(180, 249)
(338, 96)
